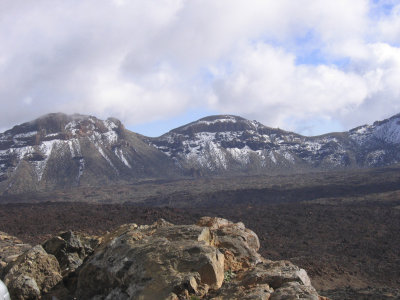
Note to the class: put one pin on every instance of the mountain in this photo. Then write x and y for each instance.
(222, 144)
(60, 151)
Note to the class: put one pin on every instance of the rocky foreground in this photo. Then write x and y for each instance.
(214, 259)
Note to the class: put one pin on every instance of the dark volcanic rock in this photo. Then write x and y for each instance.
(70, 249)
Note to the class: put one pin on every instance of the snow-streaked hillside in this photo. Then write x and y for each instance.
(59, 150)
(224, 143)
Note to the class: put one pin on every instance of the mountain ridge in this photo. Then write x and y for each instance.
(60, 150)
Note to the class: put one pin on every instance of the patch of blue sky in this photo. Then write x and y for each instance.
(308, 49)
(315, 127)
(382, 8)
(159, 127)
(207, 75)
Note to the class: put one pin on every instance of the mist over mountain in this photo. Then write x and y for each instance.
(60, 151)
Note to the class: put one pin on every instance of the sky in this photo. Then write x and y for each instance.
(309, 66)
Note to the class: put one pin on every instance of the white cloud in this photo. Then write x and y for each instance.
(388, 27)
(265, 83)
(148, 60)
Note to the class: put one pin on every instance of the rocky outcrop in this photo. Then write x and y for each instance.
(70, 249)
(10, 248)
(32, 274)
(152, 262)
(213, 259)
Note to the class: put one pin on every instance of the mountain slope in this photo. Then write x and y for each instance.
(222, 144)
(58, 150)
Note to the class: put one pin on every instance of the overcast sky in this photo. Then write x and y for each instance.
(311, 66)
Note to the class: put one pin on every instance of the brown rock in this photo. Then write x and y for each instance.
(235, 291)
(275, 274)
(152, 262)
(294, 291)
(238, 244)
(216, 259)
(33, 273)
(10, 248)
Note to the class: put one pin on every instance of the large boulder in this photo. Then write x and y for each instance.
(275, 274)
(161, 261)
(214, 259)
(295, 290)
(268, 280)
(238, 243)
(33, 273)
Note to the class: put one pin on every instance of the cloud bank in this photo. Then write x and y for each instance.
(292, 64)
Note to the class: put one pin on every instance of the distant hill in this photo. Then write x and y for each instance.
(58, 150)
(227, 144)
(61, 151)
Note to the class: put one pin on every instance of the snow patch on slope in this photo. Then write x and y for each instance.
(75, 148)
(120, 154)
(25, 135)
(240, 155)
(81, 169)
(389, 131)
(106, 158)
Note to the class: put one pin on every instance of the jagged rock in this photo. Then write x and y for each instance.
(31, 274)
(238, 243)
(275, 274)
(10, 248)
(152, 262)
(235, 291)
(268, 280)
(214, 259)
(295, 290)
(70, 249)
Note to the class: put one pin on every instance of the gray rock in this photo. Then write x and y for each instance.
(70, 249)
(294, 291)
(275, 274)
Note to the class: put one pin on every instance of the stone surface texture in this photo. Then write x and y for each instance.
(33, 273)
(213, 259)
